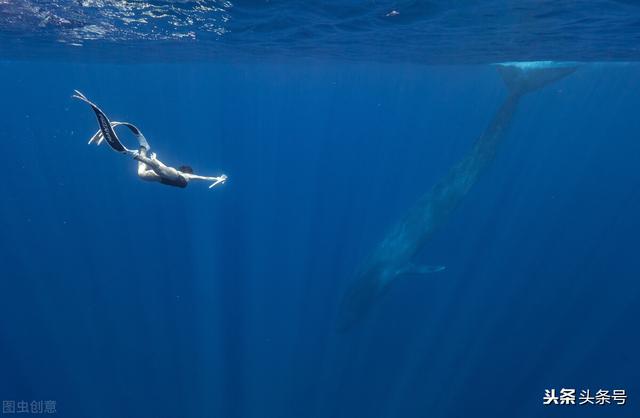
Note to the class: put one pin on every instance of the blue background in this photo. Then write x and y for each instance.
(124, 298)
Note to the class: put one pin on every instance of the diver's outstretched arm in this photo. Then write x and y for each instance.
(216, 180)
(165, 171)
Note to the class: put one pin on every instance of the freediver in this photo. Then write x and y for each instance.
(149, 167)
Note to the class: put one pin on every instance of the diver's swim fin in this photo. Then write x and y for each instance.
(105, 125)
(142, 141)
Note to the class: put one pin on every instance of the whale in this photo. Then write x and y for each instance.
(393, 257)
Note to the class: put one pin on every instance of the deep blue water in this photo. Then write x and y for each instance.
(120, 298)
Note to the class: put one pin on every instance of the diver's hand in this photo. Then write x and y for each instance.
(219, 180)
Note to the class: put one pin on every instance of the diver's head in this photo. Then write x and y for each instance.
(185, 169)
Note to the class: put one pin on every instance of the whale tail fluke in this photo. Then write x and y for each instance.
(521, 78)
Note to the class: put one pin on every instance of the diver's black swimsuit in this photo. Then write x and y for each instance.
(179, 182)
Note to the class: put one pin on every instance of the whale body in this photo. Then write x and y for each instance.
(392, 257)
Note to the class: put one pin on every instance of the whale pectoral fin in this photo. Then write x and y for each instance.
(419, 270)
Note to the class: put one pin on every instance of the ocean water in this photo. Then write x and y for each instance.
(122, 298)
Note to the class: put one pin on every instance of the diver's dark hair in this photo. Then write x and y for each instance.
(185, 169)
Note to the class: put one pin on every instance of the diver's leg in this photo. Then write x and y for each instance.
(154, 164)
(144, 171)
